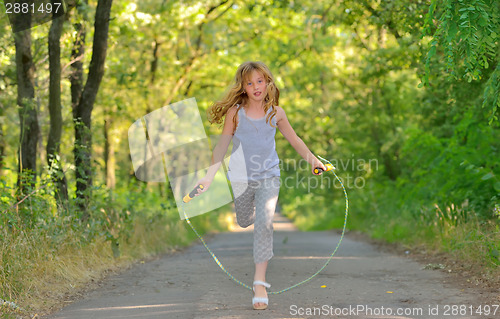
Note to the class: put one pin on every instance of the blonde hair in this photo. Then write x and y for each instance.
(237, 95)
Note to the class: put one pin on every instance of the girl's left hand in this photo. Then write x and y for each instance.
(318, 164)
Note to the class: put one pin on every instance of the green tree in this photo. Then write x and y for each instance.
(83, 110)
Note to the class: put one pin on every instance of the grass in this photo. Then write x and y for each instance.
(477, 243)
(42, 266)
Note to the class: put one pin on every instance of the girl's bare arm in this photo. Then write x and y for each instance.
(218, 155)
(219, 150)
(296, 142)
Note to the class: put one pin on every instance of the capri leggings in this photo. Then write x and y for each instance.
(255, 203)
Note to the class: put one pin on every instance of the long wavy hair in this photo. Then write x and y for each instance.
(236, 94)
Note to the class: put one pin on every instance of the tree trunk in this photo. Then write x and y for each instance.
(154, 62)
(54, 139)
(2, 139)
(25, 70)
(109, 156)
(76, 76)
(83, 110)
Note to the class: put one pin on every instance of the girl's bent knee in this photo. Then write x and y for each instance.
(244, 224)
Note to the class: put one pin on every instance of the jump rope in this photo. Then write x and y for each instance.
(329, 168)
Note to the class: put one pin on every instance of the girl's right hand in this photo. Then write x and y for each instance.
(205, 181)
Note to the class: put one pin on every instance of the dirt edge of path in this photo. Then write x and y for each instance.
(113, 270)
(457, 273)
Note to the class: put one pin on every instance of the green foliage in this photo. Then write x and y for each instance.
(468, 32)
(491, 96)
(458, 174)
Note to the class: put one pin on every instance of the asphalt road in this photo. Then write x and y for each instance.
(360, 282)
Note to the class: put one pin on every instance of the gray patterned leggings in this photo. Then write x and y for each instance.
(255, 203)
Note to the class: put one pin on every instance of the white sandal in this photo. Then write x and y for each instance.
(263, 300)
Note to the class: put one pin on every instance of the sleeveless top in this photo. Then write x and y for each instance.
(253, 156)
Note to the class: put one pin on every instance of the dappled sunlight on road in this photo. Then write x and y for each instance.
(136, 311)
(131, 307)
(314, 257)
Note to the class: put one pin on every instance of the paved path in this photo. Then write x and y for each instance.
(361, 282)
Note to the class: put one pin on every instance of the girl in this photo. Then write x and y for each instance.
(251, 114)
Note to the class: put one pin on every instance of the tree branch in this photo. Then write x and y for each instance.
(389, 23)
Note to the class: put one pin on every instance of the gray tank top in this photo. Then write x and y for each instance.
(253, 156)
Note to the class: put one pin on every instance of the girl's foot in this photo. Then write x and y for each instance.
(260, 300)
